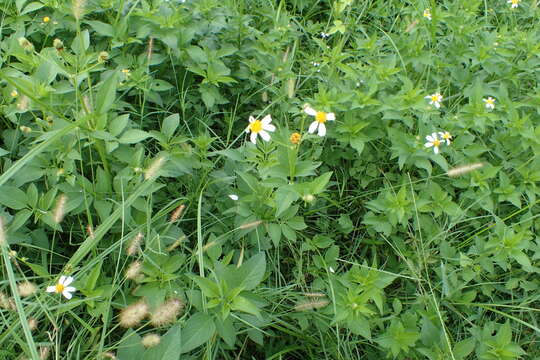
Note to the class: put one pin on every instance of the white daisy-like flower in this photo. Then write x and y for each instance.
(435, 99)
(234, 197)
(433, 141)
(62, 287)
(445, 136)
(320, 119)
(490, 103)
(427, 14)
(514, 3)
(260, 127)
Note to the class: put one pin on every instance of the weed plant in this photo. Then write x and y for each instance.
(257, 179)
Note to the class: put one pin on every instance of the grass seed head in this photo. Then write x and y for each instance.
(167, 313)
(250, 225)
(44, 352)
(175, 215)
(78, 9)
(151, 340)
(154, 168)
(60, 209)
(133, 314)
(311, 305)
(32, 324)
(26, 288)
(460, 170)
(134, 245)
(134, 270)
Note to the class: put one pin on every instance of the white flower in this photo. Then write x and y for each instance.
(490, 103)
(433, 141)
(427, 14)
(62, 287)
(320, 119)
(435, 99)
(260, 127)
(515, 3)
(325, 35)
(445, 136)
(234, 197)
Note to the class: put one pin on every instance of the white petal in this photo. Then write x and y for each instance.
(330, 116)
(68, 280)
(429, 138)
(434, 135)
(269, 127)
(310, 111)
(247, 129)
(234, 197)
(67, 294)
(322, 129)
(253, 138)
(265, 136)
(313, 127)
(62, 279)
(427, 97)
(437, 104)
(70, 289)
(51, 289)
(436, 149)
(251, 119)
(267, 119)
(428, 144)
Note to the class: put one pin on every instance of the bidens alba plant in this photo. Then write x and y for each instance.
(260, 128)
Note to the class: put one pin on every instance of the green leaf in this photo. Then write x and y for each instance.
(208, 287)
(33, 6)
(170, 124)
(133, 136)
(130, 347)
(12, 197)
(101, 28)
(118, 124)
(284, 198)
(240, 303)
(274, 230)
(199, 329)
(252, 271)
(106, 95)
(168, 347)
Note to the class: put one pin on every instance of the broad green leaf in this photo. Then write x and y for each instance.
(251, 272)
(106, 95)
(130, 347)
(170, 124)
(12, 197)
(133, 136)
(198, 330)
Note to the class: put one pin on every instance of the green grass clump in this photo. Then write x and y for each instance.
(245, 179)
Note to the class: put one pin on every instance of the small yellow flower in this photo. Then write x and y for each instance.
(445, 136)
(295, 138)
(126, 72)
(46, 19)
(320, 119)
(427, 14)
(490, 103)
(14, 93)
(260, 128)
(62, 287)
(514, 3)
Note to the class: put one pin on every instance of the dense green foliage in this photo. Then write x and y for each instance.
(125, 163)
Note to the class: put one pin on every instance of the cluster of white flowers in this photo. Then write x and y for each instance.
(437, 139)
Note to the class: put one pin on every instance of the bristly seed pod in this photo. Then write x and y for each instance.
(250, 225)
(151, 340)
(59, 209)
(154, 168)
(133, 314)
(460, 170)
(310, 305)
(167, 312)
(135, 244)
(177, 213)
(26, 288)
(134, 270)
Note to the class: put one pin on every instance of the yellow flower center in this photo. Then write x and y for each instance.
(434, 97)
(436, 142)
(14, 93)
(46, 19)
(320, 117)
(256, 126)
(515, 2)
(59, 288)
(446, 136)
(490, 101)
(295, 138)
(427, 13)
